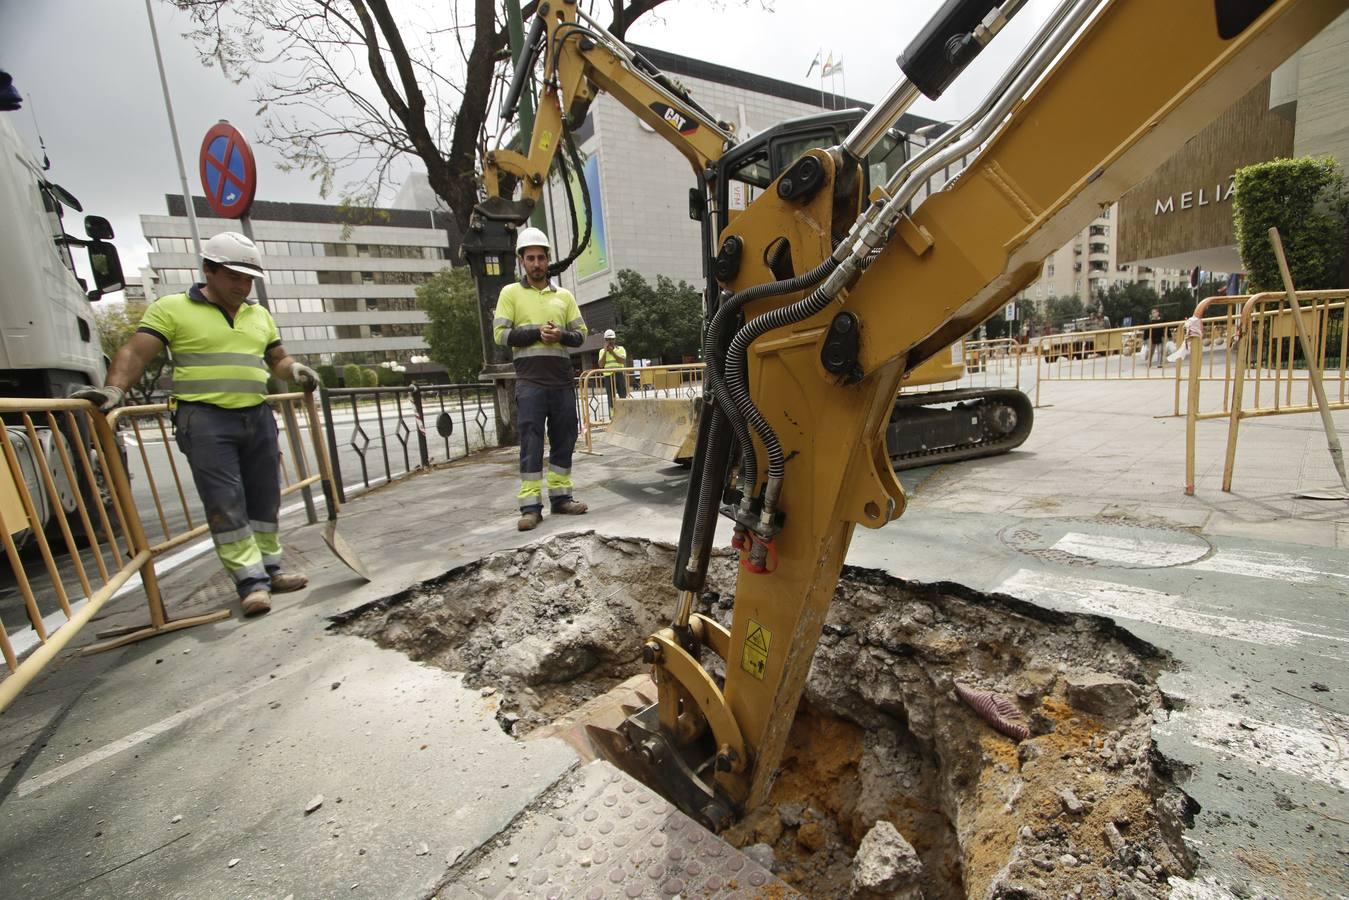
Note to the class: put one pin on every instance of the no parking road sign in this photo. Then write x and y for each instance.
(228, 173)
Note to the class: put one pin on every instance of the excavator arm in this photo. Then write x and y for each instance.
(822, 296)
(580, 59)
(801, 385)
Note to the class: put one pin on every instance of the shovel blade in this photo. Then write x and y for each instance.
(342, 550)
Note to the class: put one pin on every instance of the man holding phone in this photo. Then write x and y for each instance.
(539, 321)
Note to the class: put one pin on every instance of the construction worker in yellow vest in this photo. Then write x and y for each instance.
(539, 321)
(223, 346)
(612, 356)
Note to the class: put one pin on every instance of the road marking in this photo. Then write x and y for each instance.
(1157, 554)
(1266, 564)
(1304, 752)
(1131, 551)
(79, 764)
(1124, 601)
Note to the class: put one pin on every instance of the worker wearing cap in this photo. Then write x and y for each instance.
(223, 347)
(539, 321)
(612, 356)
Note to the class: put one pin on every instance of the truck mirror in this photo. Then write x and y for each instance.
(98, 228)
(107, 268)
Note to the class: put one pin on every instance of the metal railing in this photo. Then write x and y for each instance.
(421, 425)
(598, 390)
(1265, 372)
(68, 499)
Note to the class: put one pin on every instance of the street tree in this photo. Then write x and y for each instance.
(1059, 311)
(117, 322)
(661, 321)
(353, 86)
(1129, 301)
(451, 332)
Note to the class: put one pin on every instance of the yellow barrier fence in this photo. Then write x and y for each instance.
(66, 498)
(1265, 373)
(599, 391)
(1134, 353)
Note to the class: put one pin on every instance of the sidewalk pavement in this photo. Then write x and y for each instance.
(239, 726)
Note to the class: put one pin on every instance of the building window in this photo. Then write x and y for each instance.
(1099, 231)
(1049, 270)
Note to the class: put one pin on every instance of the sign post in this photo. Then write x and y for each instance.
(229, 175)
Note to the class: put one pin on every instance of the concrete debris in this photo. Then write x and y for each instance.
(423, 850)
(455, 854)
(1319, 687)
(488, 691)
(232, 863)
(1070, 802)
(886, 865)
(313, 804)
(1106, 696)
(790, 814)
(175, 820)
(1113, 838)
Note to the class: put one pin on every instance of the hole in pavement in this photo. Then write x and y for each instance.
(892, 780)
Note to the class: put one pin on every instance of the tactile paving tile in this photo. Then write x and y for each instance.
(609, 836)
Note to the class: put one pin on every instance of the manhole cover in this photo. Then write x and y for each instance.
(1090, 542)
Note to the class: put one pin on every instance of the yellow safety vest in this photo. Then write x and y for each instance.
(215, 360)
(522, 305)
(608, 360)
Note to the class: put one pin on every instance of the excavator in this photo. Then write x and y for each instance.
(830, 287)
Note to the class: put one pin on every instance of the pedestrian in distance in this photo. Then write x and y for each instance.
(223, 346)
(1156, 337)
(612, 356)
(539, 321)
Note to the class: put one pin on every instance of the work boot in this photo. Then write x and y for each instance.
(285, 582)
(569, 507)
(257, 602)
(529, 521)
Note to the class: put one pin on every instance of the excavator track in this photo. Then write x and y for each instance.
(948, 426)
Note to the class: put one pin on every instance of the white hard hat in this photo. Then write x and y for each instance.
(234, 251)
(610, 335)
(531, 237)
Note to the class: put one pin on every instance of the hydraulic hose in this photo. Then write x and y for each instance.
(713, 353)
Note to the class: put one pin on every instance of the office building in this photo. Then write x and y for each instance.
(341, 283)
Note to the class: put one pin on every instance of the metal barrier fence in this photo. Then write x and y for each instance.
(67, 469)
(598, 389)
(1109, 354)
(460, 414)
(1265, 372)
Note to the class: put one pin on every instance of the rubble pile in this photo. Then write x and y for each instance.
(895, 783)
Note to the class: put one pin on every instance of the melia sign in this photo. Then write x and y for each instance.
(1192, 199)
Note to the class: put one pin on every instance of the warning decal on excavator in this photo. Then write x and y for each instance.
(754, 659)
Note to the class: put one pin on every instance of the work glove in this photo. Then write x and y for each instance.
(105, 398)
(305, 377)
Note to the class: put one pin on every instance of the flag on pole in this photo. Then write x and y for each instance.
(828, 64)
(813, 63)
(834, 68)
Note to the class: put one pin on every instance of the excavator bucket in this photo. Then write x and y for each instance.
(664, 427)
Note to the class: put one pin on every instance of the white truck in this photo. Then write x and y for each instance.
(49, 340)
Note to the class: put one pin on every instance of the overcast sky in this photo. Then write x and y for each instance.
(87, 71)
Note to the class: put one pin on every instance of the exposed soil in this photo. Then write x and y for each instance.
(1084, 806)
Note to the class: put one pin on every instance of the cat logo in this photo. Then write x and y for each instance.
(677, 120)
